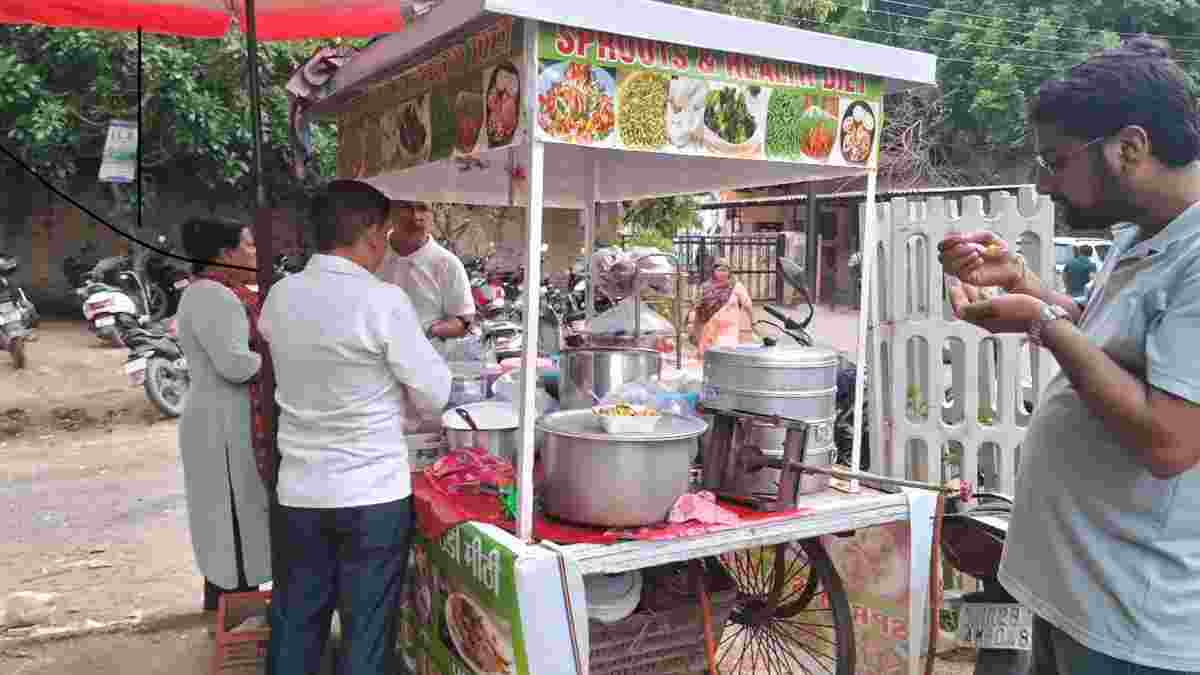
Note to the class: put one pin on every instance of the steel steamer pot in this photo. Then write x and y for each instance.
(789, 381)
(601, 370)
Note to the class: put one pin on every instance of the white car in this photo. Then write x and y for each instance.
(1064, 251)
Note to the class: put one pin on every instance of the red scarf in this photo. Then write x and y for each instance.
(266, 456)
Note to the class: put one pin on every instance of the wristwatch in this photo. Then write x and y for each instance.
(1049, 313)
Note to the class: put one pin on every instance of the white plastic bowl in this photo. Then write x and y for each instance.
(626, 424)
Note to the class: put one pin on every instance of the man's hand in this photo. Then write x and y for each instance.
(1012, 313)
(447, 328)
(983, 259)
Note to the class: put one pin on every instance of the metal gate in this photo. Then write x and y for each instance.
(752, 261)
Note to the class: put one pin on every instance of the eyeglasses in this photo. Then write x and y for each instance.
(1059, 163)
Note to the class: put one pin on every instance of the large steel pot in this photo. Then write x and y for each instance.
(600, 370)
(791, 381)
(615, 480)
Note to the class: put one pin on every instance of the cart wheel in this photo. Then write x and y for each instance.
(791, 616)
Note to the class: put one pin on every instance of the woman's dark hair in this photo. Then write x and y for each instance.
(344, 211)
(208, 238)
(1136, 84)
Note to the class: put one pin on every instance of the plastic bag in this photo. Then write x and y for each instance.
(508, 388)
(620, 321)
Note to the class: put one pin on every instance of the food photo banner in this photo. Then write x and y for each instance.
(460, 611)
(612, 91)
(462, 100)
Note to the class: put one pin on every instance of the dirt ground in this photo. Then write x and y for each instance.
(92, 496)
(92, 509)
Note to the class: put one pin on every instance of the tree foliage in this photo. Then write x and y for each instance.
(59, 88)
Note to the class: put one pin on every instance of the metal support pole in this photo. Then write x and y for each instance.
(812, 243)
(870, 232)
(260, 193)
(589, 236)
(533, 264)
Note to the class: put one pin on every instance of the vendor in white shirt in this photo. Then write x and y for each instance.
(351, 369)
(434, 278)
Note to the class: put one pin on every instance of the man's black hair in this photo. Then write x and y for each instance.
(1136, 84)
(1085, 250)
(344, 211)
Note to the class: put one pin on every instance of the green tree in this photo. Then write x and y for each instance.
(59, 89)
(655, 222)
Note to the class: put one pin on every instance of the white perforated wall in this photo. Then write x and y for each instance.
(926, 423)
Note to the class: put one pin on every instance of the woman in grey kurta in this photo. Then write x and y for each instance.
(227, 500)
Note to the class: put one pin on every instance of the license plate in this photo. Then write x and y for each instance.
(106, 321)
(996, 626)
(182, 283)
(136, 370)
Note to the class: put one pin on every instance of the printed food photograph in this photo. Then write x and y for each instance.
(858, 132)
(468, 121)
(642, 110)
(800, 125)
(406, 131)
(733, 119)
(575, 102)
(686, 103)
(476, 638)
(503, 105)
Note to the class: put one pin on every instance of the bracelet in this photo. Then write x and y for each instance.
(1049, 313)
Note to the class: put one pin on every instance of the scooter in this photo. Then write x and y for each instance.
(991, 620)
(156, 363)
(18, 316)
(111, 310)
(847, 374)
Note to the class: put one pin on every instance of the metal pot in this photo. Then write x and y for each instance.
(615, 480)
(793, 382)
(600, 370)
(490, 425)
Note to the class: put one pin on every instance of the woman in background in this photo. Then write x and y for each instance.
(227, 466)
(723, 303)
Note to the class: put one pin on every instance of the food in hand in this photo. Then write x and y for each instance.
(994, 249)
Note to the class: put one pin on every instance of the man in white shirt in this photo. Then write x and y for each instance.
(351, 366)
(434, 278)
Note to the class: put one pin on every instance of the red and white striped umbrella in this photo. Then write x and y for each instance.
(275, 19)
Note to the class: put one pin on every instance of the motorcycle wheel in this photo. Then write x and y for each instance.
(16, 348)
(110, 336)
(166, 386)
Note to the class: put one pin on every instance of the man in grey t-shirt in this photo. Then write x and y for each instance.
(1104, 543)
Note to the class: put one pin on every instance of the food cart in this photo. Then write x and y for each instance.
(562, 103)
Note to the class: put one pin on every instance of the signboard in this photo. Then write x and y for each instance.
(460, 613)
(612, 91)
(875, 567)
(119, 163)
(464, 99)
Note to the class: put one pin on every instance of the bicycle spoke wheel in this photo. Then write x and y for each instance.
(792, 614)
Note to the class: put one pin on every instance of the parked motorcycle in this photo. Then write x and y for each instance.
(156, 363)
(113, 309)
(843, 431)
(165, 280)
(991, 620)
(18, 316)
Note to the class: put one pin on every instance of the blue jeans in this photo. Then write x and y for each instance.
(353, 559)
(1056, 653)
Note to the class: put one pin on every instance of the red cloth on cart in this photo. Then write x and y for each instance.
(438, 511)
